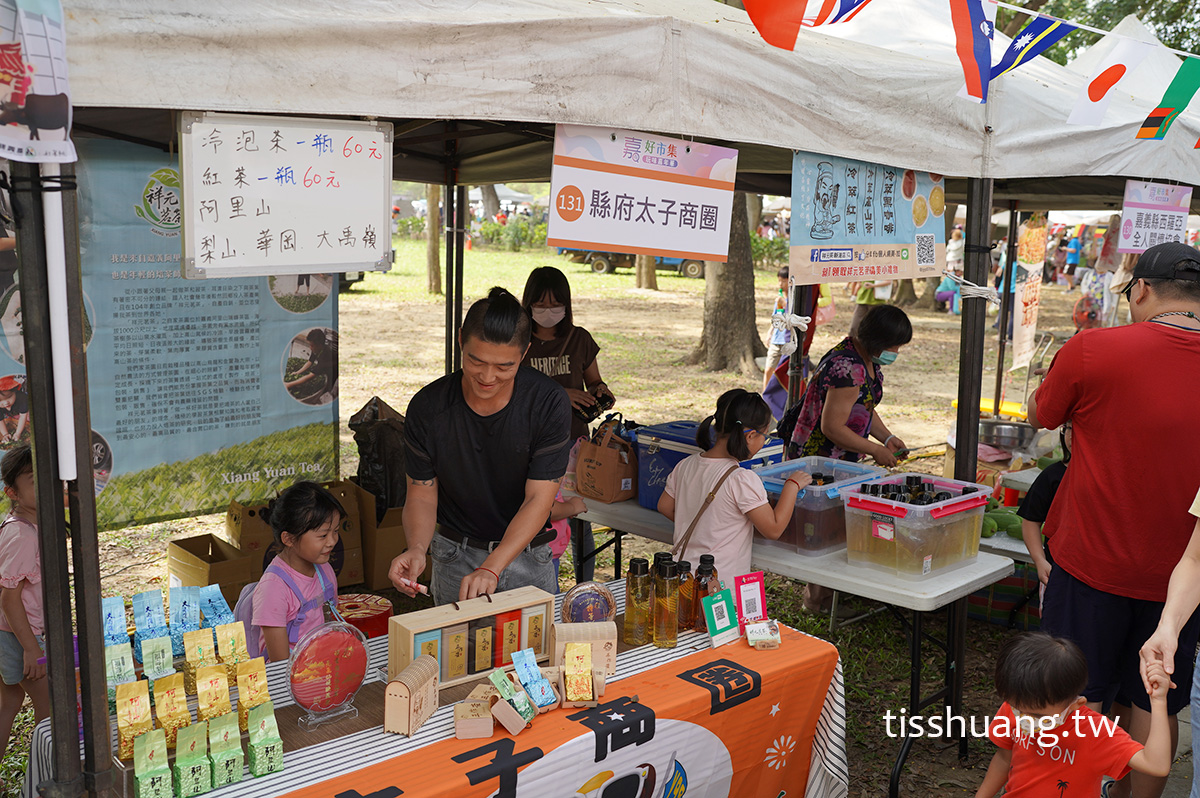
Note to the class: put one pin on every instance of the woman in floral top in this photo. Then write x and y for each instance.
(838, 415)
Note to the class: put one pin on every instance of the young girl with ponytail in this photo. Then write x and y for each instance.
(715, 503)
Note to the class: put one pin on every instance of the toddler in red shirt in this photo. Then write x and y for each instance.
(1048, 741)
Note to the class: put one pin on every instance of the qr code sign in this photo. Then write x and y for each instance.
(926, 249)
(752, 607)
(719, 615)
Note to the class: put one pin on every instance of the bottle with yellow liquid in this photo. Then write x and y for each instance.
(687, 596)
(703, 586)
(639, 597)
(666, 605)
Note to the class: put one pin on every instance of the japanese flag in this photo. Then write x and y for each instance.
(1093, 100)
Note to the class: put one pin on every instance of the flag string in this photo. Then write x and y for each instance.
(1089, 28)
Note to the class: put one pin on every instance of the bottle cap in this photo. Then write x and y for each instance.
(913, 480)
(666, 569)
(707, 559)
(659, 556)
(639, 566)
(683, 566)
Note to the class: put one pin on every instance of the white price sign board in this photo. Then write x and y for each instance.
(1153, 213)
(623, 191)
(283, 195)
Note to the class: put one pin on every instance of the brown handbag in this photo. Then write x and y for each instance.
(680, 548)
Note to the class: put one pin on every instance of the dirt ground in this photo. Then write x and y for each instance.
(392, 343)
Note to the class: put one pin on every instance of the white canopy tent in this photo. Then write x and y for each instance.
(507, 70)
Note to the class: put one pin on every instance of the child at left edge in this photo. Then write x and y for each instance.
(21, 624)
(1048, 742)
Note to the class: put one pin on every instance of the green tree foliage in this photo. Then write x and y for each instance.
(1173, 23)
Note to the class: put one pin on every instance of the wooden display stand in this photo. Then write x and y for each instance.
(403, 629)
(411, 697)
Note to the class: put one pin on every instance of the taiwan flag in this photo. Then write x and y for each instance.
(1183, 87)
(1093, 100)
(1039, 35)
(779, 21)
(973, 42)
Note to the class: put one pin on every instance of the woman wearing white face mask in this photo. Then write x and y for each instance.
(567, 354)
(838, 416)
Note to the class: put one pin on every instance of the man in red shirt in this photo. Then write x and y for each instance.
(1119, 522)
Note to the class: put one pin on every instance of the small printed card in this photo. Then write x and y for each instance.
(763, 635)
(721, 615)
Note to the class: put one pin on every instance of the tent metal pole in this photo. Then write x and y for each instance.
(970, 354)
(52, 531)
(803, 304)
(462, 221)
(1006, 301)
(448, 226)
(85, 546)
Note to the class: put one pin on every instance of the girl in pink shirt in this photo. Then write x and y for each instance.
(739, 504)
(20, 597)
(289, 600)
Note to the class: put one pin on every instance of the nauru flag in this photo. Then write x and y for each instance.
(779, 21)
(973, 43)
(1092, 103)
(1177, 96)
(1035, 38)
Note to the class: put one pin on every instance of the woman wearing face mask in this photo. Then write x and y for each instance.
(838, 416)
(567, 354)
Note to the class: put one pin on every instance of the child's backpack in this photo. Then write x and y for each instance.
(244, 609)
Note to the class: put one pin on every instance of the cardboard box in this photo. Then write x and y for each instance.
(382, 541)
(207, 560)
(246, 530)
(352, 568)
(346, 493)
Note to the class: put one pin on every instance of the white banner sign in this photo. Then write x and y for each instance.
(1153, 213)
(622, 191)
(1027, 280)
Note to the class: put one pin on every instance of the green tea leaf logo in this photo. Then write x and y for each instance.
(160, 200)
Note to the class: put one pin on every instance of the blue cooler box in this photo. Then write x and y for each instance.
(661, 447)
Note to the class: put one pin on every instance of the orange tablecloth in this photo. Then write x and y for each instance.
(731, 721)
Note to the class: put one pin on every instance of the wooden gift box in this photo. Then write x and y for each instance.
(601, 634)
(403, 629)
(597, 688)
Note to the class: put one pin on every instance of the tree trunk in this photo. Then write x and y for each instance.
(927, 298)
(647, 275)
(754, 206)
(904, 294)
(433, 238)
(491, 203)
(730, 341)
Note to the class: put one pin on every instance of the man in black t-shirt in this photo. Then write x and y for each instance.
(485, 450)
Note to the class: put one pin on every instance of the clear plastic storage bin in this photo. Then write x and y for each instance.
(914, 540)
(818, 524)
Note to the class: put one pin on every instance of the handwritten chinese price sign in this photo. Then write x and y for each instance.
(1153, 213)
(283, 195)
(621, 191)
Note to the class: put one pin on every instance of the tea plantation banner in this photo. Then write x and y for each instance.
(201, 391)
(853, 220)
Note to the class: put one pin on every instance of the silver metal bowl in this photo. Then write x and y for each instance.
(1005, 434)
